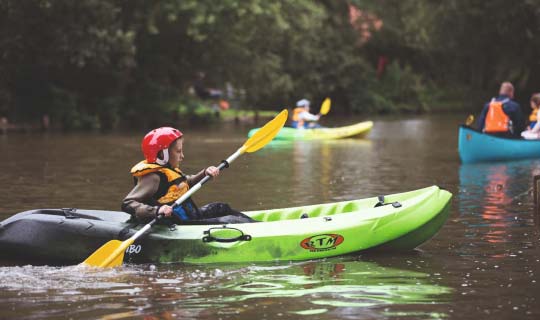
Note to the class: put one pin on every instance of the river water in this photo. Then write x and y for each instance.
(484, 263)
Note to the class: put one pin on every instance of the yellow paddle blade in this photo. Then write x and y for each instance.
(469, 120)
(325, 107)
(265, 134)
(109, 255)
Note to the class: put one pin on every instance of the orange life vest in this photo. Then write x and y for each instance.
(496, 119)
(224, 104)
(172, 185)
(534, 116)
(296, 117)
(171, 188)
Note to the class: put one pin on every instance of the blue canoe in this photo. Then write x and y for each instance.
(475, 146)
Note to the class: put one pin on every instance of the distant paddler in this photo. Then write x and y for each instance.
(302, 118)
(502, 116)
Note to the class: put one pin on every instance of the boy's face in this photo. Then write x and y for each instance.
(176, 154)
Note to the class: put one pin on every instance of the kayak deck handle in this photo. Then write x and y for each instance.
(381, 203)
(225, 234)
(69, 213)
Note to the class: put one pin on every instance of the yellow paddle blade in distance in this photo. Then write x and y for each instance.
(469, 120)
(325, 107)
(108, 255)
(265, 134)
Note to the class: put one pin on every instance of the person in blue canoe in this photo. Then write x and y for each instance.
(302, 118)
(535, 105)
(159, 183)
(533, 130)
(502, 116)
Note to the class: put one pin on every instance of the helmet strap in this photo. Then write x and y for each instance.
(165, 159)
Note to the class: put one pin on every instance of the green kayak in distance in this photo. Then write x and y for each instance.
(400, 221)
(359, 130)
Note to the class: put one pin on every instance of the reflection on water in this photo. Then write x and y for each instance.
(345, 285)
(494, 192)
(499, 249)
(332, 288)
(312, 166)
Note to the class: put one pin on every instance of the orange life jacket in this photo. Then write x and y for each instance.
(296, 117)
(224, 104)
(172, 185)
(534, 116)
(496, 119)
(171, 188)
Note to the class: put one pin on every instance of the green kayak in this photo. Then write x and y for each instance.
(358, 130)
(394, 222)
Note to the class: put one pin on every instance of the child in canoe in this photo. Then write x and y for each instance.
(159, 182)
(535, 103)
(533, 130)
(302, 118)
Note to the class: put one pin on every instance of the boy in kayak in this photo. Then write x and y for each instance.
(159, 182)
(302, 118)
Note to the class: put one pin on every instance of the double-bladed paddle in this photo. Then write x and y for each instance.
(111, 254)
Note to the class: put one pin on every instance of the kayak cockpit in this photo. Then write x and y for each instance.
(73, 213)
(321, 210)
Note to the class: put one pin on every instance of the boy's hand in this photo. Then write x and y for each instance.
(165, 210)
(212, 171)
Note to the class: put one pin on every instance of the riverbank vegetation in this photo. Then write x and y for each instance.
(113, 63)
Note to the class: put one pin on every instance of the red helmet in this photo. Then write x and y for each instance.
(157, 140)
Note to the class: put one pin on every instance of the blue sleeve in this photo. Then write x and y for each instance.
(513, 110)
(482, 118)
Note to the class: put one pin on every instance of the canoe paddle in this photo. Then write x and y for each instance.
(111, 254)
(325, 107)
(469, 121)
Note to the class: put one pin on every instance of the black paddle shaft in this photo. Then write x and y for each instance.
(223, 165)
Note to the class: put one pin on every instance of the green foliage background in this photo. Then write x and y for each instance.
(106, 63)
